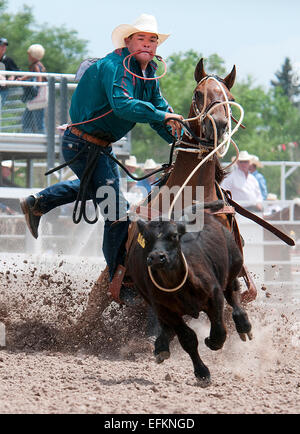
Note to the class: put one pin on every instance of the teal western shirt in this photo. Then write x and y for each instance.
(107, 85)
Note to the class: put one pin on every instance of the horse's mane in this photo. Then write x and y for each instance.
(219, 172)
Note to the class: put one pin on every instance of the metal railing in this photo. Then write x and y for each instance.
(19, 136)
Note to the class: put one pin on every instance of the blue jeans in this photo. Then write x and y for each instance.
(106, 174)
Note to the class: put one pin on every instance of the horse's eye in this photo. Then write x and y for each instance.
(173, 237)
(199, 97)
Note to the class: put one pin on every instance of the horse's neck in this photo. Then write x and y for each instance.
(205, 176)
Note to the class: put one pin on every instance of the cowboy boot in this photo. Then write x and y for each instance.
(122, 291)
(31, 210)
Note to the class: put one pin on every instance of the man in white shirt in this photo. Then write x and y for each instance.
(243, 185)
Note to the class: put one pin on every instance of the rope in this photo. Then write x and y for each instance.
(177, 287)
(159, 58)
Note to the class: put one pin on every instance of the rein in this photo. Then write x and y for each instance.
(161, 288)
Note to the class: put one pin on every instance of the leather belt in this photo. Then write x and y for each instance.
(89, 137)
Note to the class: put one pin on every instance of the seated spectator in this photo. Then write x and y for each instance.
(243, 185)
(33, 119)
(254, 164)
(131, 166)
(6, 64)
(146, 184)
(6, 174)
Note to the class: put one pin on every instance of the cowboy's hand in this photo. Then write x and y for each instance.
(176, 126)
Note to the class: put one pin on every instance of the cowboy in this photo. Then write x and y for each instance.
(131, 165)
(6, 64)
(243, 185)
(146, 184)
(115, 100)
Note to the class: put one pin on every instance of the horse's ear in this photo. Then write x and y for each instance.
(199, 71)
(230, 79)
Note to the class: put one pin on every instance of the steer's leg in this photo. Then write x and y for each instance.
(240, 317)
(215, 312)
(189, 342)
(161, 348)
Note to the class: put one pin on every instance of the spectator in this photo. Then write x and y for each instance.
(6, 64)
(254, 164)
(7, 169)
(243, 185)
(146, 184)
(131, 165)
(33, 118)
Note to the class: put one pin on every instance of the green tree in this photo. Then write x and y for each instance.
(285, 81)
(64, 50)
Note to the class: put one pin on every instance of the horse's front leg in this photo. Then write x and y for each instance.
(239, 316)
(215, 312)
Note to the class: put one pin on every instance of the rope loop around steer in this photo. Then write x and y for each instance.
(161, 288)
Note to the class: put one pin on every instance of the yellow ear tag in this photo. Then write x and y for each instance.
(141, 240)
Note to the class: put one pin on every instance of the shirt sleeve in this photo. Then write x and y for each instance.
(161, 104)
(227, 182)
(119, 89)
(259, 198)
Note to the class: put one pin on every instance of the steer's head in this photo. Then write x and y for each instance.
(161, 243)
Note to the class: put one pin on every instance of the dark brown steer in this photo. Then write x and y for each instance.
(206, 264)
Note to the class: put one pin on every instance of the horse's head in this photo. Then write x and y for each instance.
(209, 93)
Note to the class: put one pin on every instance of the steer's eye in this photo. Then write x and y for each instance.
(173, 237)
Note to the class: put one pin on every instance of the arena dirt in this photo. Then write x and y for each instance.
(63, 355)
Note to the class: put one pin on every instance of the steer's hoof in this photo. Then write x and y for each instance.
(243, 336)
(211, 345)
(161, 357)
(203, 381)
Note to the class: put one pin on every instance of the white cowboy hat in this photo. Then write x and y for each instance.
(144, 23)
(272, 196)
(150, 164)
(7, 163)
(244, 156)
(37, 51)
(255, 160)
(131, 161)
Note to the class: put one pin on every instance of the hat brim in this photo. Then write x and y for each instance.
(124, 30)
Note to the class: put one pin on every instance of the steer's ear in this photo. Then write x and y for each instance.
(181, 229)
(141, 225)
